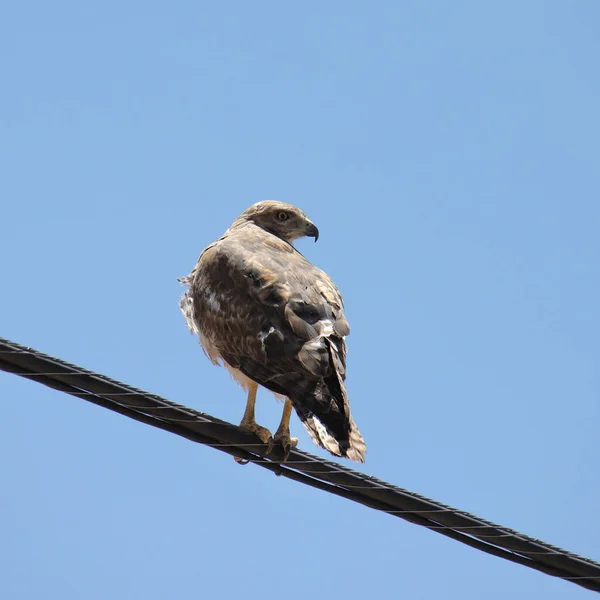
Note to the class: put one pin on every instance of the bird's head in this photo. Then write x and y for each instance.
(283, 220)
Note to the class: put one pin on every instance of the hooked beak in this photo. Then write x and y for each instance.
(311, 230)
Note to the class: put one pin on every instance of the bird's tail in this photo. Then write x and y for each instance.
(351, 445)
(325, 412)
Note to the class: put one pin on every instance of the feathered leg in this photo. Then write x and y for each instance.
(283, 431)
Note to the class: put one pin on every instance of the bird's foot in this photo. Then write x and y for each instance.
(282, 436)
(262, 433)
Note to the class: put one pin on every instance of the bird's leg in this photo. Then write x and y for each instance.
(283, 431)
(249, 423)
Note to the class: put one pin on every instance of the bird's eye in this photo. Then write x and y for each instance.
(282, 216)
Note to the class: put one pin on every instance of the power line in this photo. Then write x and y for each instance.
(301, 466)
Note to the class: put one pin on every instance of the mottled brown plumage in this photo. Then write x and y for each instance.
(275, 319)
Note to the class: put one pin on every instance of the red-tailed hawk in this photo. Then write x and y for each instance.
(276, 320)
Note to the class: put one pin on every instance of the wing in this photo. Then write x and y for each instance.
(280, 321)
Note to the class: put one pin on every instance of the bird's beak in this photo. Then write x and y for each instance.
(311, 230)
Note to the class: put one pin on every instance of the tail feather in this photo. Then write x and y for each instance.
(326, 416)
(352, 447)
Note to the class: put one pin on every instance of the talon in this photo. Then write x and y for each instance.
(262, 433)
(241, 461)
(293, 443)
(269, 446)
(287, 443)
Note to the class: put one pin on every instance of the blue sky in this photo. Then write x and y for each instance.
(448, 152)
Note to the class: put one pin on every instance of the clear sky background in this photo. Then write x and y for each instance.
(449, 153)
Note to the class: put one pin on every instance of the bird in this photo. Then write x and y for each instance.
(273, 319)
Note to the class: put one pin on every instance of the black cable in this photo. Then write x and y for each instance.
(301, 466)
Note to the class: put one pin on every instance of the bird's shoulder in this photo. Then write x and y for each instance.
(267, 267)
(249, 248)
